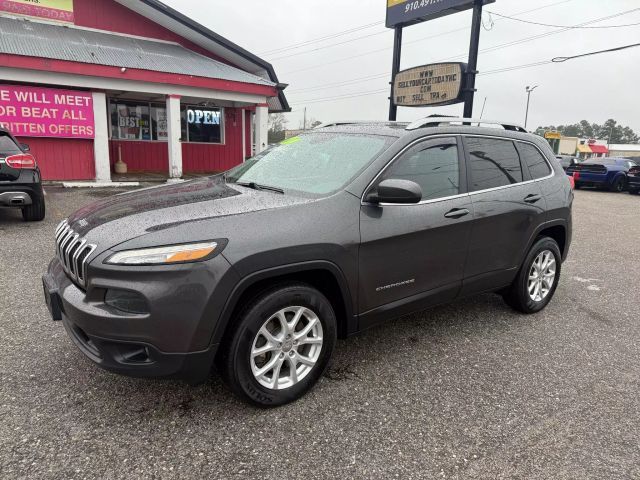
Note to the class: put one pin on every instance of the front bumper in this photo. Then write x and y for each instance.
(173, 340)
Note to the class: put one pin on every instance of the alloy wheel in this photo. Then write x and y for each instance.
(542, 276)
(286, 348)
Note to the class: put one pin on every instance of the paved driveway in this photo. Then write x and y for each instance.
(471, 390)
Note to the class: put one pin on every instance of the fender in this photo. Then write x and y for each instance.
(245, 283)
(553, 223)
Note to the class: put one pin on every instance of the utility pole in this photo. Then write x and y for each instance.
(526, 116)
(472, 66)
(304, 125)
(397, 53)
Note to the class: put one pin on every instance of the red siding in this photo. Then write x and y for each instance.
(139, 156)
(63, 159)
(111, 16)
(203, 158)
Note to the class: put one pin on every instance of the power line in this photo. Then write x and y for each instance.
(375, 92)
(571, 27)
(617, 49)
(321, 39)
(406, 43)
(486, 50)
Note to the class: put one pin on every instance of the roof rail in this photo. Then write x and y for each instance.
(440, 121)
(358, 122)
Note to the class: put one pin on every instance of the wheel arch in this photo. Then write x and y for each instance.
(557, 230)
(325, 276)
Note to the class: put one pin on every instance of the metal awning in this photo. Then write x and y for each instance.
(583, 148)
(34, 39)
(599, 149)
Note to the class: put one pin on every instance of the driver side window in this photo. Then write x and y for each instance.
(433, 165)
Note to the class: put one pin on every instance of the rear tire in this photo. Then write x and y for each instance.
(530, 293)
(269, 361)
(34, 212)
(618, 185)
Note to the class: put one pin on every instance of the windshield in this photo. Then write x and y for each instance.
(314, 163)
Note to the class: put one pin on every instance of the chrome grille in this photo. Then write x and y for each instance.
(74, 252)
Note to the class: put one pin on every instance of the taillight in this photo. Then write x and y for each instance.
(576, 176)
(572, 182)
(23, 160)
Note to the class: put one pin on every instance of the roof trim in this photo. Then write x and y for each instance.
(238, 50)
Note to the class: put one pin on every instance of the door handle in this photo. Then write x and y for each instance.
(457, 213)
(533, 198)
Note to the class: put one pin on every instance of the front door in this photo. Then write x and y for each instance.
(412, 256)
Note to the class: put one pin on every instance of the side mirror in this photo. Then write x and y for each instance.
(395, 191)
(25, 147)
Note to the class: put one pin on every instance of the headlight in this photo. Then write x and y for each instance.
(164, 255)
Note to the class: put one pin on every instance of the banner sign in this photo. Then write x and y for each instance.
(430, 85)
(549, 135)
(46, 112)
(409, 12)
(56, 10)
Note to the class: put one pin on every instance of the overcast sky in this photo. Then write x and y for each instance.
(594, 88)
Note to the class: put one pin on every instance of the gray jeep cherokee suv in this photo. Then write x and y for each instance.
(260, 269)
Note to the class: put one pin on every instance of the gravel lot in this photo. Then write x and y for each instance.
(471, 390)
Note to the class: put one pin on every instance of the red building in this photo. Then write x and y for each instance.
(86, 82)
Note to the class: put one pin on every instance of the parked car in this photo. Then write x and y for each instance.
(567, 160)
(330, 233)
(633, 178)
(610, 173)
(20, 179)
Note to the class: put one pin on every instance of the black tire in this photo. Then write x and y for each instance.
(34, 212)
(517, 295)
(235, 360)
(634, 191)
(618, 185)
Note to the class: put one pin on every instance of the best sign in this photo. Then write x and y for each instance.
(45, 112)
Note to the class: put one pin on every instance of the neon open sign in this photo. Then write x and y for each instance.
(203, 116)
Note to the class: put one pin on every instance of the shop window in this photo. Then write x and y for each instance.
(160, 130)
(148, 121)
(130, 120)
(204, 124)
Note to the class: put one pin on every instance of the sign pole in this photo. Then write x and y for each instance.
(473, 58)
(397, 52)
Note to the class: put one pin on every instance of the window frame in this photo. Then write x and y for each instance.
(407, 150)
(525, 168)
(151, 105)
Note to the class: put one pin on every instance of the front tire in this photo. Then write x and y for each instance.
(281, 345)
(34, 212)
(536, 283)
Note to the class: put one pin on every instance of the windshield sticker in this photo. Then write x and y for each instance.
(291, 140)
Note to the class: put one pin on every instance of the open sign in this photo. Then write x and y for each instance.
(203, 116)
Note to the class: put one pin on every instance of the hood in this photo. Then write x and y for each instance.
(123, 217)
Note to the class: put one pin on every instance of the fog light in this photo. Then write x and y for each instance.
(126, 301)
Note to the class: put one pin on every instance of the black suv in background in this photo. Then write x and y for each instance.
(325, 235)
(20, 180)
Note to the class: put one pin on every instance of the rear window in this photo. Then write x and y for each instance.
(8, 146)
(494, 163)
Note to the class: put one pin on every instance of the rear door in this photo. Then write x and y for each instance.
(413, 255)
(508, 207)
(7, 148)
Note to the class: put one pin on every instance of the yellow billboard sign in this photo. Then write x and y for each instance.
(55, 10)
